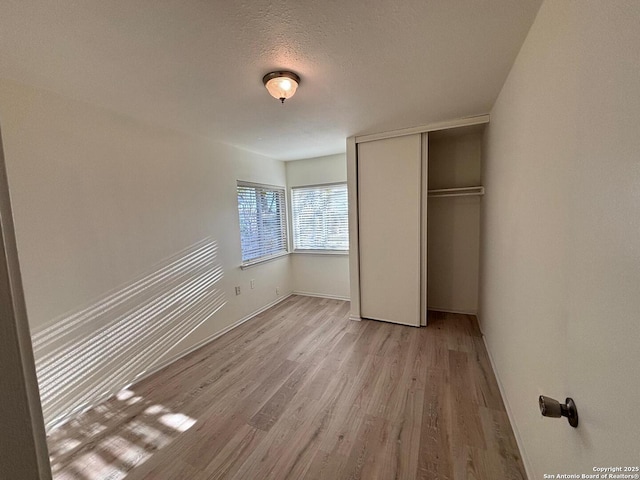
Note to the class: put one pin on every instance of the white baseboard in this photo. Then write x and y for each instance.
(322, 295)
(448, 310)
(355, 318)
(156, 368)
(516, 432)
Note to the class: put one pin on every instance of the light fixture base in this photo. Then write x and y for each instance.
(281, 73)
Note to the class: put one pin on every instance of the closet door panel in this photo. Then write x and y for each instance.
(389, 207)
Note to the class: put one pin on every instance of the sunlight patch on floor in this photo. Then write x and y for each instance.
(83, 448)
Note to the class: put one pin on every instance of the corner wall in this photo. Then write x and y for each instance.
(324, 275)
(128, 240)
(560, 252)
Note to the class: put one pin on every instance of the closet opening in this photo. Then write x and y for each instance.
(453, 215)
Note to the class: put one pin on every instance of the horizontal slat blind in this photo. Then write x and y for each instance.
(320, 217)
(262, 212)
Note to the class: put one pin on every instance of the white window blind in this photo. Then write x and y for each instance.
(263, 224)
(320, 217)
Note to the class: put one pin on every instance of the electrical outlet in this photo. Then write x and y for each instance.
(237, 290)
(253, 283)
(277, 290)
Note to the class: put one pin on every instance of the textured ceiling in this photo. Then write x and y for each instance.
(197, 66)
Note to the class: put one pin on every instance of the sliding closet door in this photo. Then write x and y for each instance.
(389, 209)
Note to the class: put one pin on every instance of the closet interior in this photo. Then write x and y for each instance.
(453, 219)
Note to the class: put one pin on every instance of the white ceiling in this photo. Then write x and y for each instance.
(197, 65)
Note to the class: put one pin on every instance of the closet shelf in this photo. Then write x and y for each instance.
(457, 192)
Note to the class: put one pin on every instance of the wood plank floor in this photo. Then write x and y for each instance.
(301, 392)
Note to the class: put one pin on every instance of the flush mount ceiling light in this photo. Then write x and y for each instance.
(281, 85)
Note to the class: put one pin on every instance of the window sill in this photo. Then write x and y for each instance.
(259, 261)
(322, 252)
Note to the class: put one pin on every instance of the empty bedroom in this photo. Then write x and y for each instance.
(319, 240)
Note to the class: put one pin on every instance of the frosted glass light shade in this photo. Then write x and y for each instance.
(281, 85)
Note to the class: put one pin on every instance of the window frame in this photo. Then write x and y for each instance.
(315, 251)
(284, 222)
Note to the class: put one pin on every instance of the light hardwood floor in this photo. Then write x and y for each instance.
(301, 392)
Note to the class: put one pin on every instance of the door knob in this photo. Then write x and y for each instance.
(550, 407)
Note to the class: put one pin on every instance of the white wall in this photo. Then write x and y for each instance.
(319, 274)
(561, 246)
(453, 238)
(112, 217)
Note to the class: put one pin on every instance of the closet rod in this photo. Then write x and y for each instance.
(456, 195)
(457, 192)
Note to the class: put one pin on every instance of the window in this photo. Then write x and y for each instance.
(263, 224)
(320, 217)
